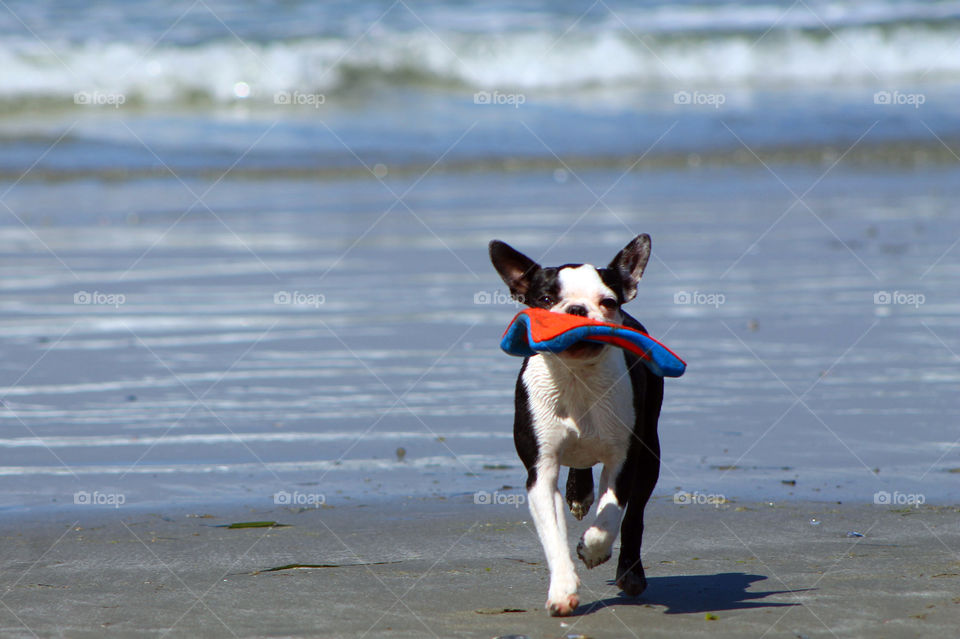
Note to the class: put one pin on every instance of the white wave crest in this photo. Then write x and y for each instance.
(226, 71)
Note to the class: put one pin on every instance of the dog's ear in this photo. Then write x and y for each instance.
(514, 267)
(630, 262)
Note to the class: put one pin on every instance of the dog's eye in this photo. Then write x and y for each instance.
(546, 300)
(608, 303)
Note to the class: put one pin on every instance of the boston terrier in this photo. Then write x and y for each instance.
(591, 404)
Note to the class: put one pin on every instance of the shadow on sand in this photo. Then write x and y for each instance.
(697, 593)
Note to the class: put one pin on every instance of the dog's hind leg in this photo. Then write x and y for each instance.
(580, 491)
(644, 469)
(630, 574)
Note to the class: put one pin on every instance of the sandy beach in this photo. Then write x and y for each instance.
(244, 278)
(445, 568)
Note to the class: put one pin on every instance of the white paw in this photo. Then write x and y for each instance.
(562, 599)
(595, 547)
(564, 606)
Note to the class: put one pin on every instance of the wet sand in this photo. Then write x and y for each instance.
(448, 567)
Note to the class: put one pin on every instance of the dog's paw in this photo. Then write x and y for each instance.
(564, 606)
(632, 583)
(594, 548)
(562, 598)
(581, 508)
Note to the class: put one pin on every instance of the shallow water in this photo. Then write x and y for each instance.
(197, 385)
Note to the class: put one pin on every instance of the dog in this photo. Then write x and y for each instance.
(591, 404)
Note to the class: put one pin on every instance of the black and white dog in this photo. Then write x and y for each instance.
(591, 404)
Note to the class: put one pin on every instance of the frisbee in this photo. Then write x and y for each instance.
(536, 330)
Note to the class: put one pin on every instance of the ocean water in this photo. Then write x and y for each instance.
(243, 245)
(312, 87)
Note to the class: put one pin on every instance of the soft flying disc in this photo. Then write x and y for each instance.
(536, 330)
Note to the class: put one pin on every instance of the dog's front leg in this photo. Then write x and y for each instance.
(547, 510)
(596, 544)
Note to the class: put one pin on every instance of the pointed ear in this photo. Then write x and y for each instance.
(630, 263)
(514, 267)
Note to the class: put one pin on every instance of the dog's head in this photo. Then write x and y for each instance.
(577, 289)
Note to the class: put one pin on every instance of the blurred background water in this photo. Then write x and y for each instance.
(243, 243)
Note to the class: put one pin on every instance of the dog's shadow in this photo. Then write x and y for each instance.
(697, 593)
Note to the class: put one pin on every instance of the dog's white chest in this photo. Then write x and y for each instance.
(582, 412)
